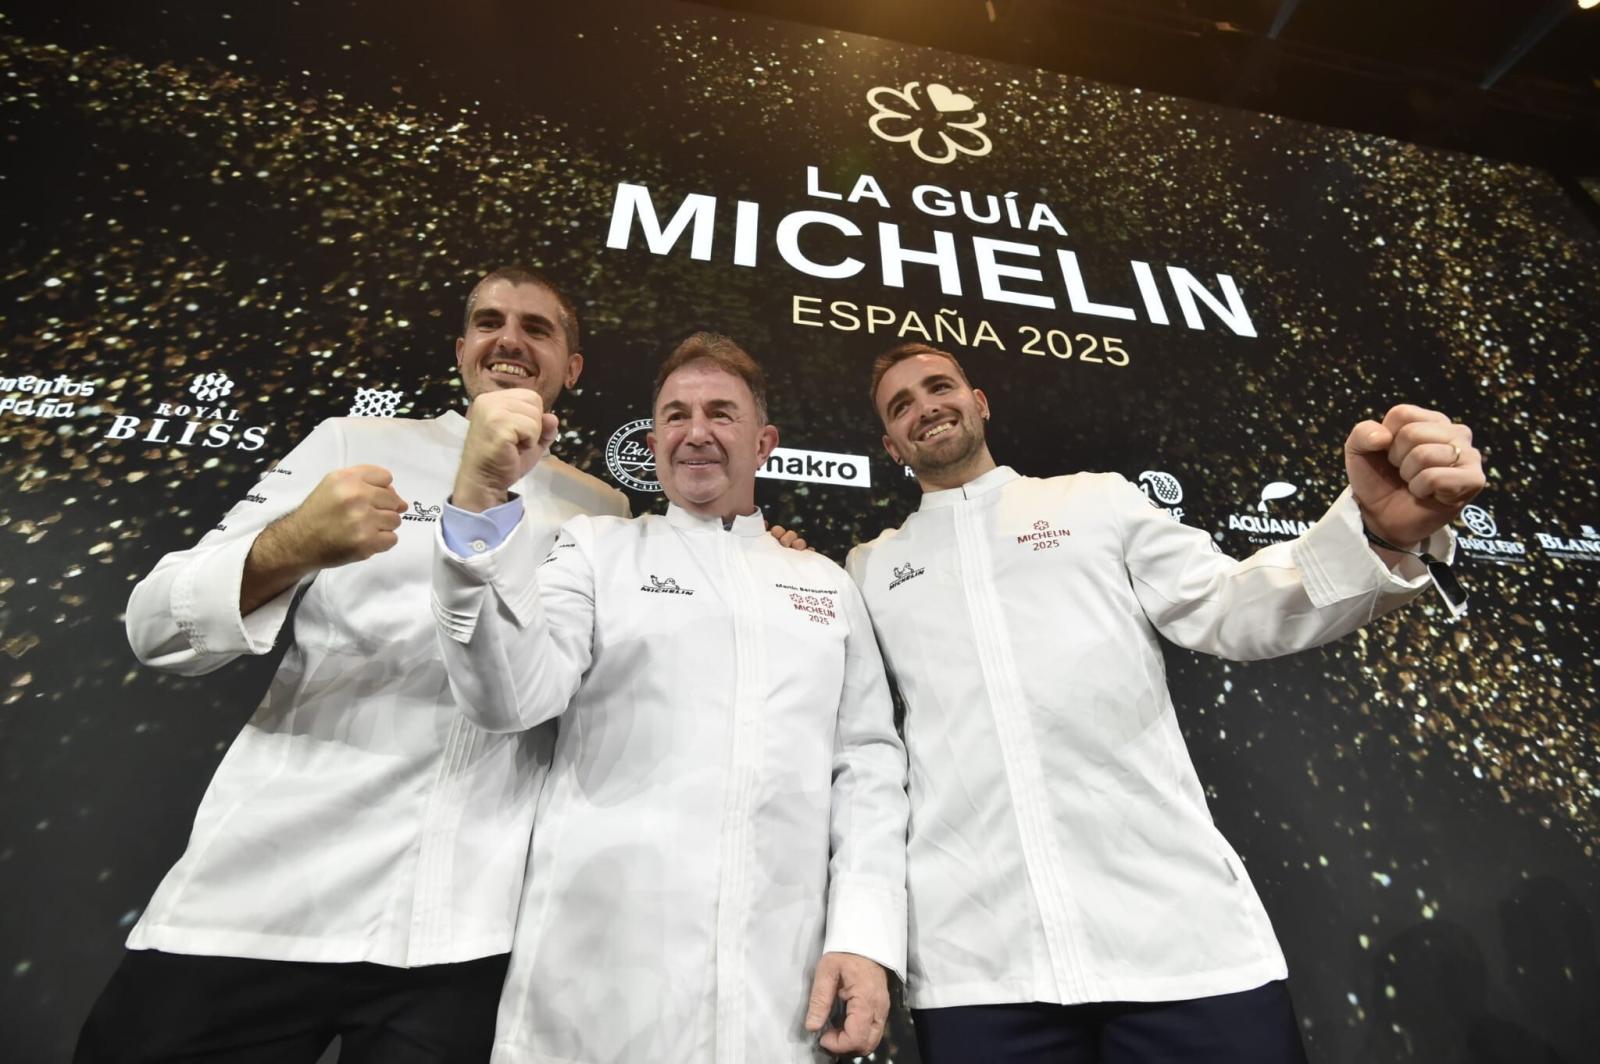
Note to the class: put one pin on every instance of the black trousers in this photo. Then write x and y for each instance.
(1252, 1027)
(232, 1010)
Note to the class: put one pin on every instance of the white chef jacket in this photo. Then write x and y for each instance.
(1060, 846)
(358, 816)
(727, 797)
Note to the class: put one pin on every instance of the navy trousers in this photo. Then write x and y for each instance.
(1251, 1027)
(233, 1010)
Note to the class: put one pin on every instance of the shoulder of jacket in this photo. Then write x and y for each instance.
(608, 500)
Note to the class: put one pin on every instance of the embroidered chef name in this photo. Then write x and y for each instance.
(668, 586)
(820, 605)
(1043, 537)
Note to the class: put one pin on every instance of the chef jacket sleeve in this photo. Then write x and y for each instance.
(516, 631)
(184, 617)
(867, 872)
(1283, 598)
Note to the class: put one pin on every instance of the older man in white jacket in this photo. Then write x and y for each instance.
(1070, 898)
(726, 808)
(356, 863)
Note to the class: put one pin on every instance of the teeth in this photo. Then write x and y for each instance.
(938, 430)
(508, 368)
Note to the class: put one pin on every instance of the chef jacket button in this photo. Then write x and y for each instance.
(479, 546)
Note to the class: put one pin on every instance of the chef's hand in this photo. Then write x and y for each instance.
(863, 986)
(1412, 473)
(507, 433)
(787, 537)
(349, 516)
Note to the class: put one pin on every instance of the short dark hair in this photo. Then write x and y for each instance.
(527, 275)
(896, 355)
(722, 352)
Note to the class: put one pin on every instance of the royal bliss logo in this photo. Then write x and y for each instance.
(1485, 543)
(1043, 536)
(1262, 526)
(208, 421)
(905, 572)
(669, 586)
(818, 605)
(1584, 548)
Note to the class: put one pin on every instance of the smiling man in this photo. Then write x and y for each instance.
(724, 824)
(1070, 899)
(355, 864)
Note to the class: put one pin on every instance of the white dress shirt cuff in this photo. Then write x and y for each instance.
(867, 917)
(205, 604)
(1337, 563)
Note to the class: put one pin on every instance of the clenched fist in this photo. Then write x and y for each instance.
(349, 516)
(1412, 474)
(507, 433)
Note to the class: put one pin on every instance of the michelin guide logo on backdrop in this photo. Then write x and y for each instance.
(632, 465)
(202, 419)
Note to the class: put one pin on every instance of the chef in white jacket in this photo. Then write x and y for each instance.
(719, 853)
(356, 863)
(1070, 898)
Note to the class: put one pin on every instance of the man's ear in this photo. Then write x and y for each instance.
(983, 402)
(892, 452)
(766, 443)
(574, 369)
(461, 347)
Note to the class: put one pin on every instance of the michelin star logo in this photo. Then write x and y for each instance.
(938, 122)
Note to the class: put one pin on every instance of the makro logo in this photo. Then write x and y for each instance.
(938, 122)
(1584, 547)
(629, 459)
(1262, 526)
(1164, 490)
(206, 422)
(817, 467)
(1485, 542)
(50, 397)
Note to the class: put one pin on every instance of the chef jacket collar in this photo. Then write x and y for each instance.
(998, 477)
(743, 525)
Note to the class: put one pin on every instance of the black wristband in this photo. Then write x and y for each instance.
(1450, 589)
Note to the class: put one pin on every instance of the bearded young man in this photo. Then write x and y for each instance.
(355, 865)
(1070, 899)
(724, 822)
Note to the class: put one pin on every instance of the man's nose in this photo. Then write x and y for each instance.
(699, 430)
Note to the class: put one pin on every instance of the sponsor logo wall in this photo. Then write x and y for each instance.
(279, 222)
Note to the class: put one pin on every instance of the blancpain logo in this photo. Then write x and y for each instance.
(1164, 490)
(1579, 548)
(208, 422)
(629, 458)
(669, 586)
(905, 572)
(1261, 527)
(1485, 543)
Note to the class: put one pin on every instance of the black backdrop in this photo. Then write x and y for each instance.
(298, 199)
